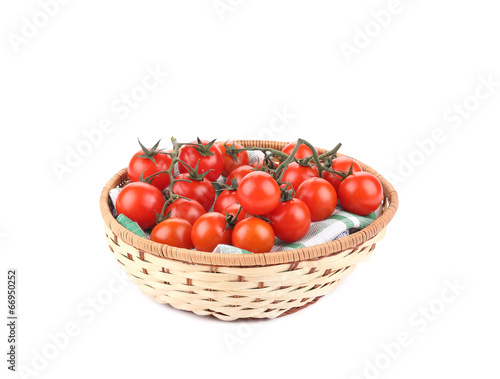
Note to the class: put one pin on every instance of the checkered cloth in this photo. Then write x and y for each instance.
(338, 225)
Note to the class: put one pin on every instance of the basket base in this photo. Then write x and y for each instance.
(296, 309)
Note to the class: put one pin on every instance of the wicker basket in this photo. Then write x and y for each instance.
(231, 287)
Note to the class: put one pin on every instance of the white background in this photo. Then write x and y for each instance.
(230, 70)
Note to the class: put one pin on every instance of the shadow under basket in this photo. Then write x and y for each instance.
(235, 286)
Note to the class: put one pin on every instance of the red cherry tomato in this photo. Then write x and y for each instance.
(361, 193)
(224, 200)
(319, 196)
(302, 152)
(229, 162)
(296, 174)
(253, 234)
(139, 201)
(213, 162)
(173, 232)
(290, 220)
(138, 166)
(200, 190)
(239, 173)
(258, 193)
(233, 210)
(189, 210)
(209, 231)
(341, 164)
(258, 165)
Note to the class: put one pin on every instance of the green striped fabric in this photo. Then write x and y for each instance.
(130, 225)
(338, 225)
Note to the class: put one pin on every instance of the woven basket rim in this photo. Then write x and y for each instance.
(245, 260)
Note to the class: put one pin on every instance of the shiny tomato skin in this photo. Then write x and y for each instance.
(191, 156)
(290, 220)
(233, 210)
(229, 163)
(341, 164)
(139, 201)
(258, 193)
(189, 210)
(253, 234)
(173, 232)
(361, 193)
(296, 174)
(302, 152)
(239, 173)
(209, 231)
(258, 165)
(200, 190)
(137, 166)
(224, 200)
(319, 196)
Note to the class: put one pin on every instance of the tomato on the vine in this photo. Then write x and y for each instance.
(225, 199)
(229, 163)
(361, 193)
(208, 157)
(239, 173)
(174, 232)
(139, 201)
(258, 193)
(210, 230)
(200, 190)
(259, 165)
(148, 162)
(296, 174)
(341, 164)
(290, 220)
(233, 210)
(190, 210)
(319, 196)
(302, 152)
(253, 234)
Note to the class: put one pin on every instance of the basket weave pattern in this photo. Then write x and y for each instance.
(230, 286)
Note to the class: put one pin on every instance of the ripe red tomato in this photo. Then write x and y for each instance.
(258, 165)
(302, 152)
(341, 164)
(253, 234)
(239, 173)
(209, 231)
(229, 163)
(189, 210)
(290, 220)
(361, 193)
(138, 166)
(224, 200)
(296, 174)
(173, 232)
(206, 162)
(200, 190)
(319, 196)
(139, 201)
(233, 210)
(258, 193)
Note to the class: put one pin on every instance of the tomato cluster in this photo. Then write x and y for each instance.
(279, 196)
